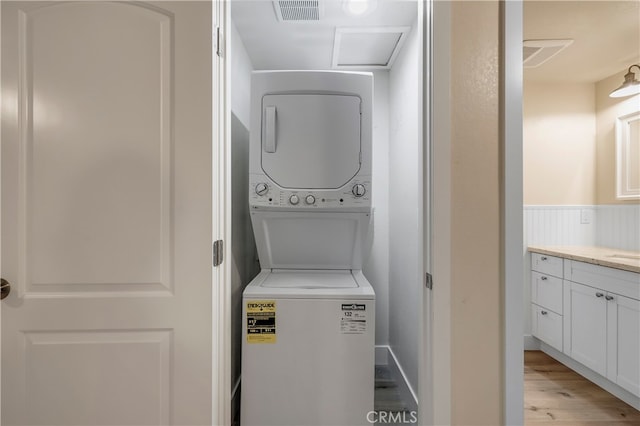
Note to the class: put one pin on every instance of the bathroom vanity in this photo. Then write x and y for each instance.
(586, 313)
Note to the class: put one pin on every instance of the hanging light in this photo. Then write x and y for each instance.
(631, 85)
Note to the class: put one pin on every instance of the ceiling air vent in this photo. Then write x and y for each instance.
(298, 10)
(537, 52)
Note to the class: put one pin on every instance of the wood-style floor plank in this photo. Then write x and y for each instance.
(555, 394)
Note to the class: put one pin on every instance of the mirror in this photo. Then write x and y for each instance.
(628, 157)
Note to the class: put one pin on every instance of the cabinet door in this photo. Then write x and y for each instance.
(588, 327)
(623, 342)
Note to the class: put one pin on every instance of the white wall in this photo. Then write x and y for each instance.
(405, 200)
(377, 267)
(241, 69)
(559, 143)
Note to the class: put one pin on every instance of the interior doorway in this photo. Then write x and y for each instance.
(387, 41)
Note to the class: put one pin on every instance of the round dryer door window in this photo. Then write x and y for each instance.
(311, 141)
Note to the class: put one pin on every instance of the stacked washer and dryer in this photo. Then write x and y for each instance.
(308, 317)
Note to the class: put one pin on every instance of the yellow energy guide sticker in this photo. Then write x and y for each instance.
(261, 321)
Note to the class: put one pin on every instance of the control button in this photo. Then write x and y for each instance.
(294, 199)
(358, 190)
(310, 199)
(262, 189)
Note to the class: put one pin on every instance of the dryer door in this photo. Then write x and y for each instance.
(311, 141)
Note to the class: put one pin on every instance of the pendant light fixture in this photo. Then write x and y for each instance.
(631, 85)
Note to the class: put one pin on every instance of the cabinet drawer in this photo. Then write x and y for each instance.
(546, 291)
(547, 326)
(546, 264)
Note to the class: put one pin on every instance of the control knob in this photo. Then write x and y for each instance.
(358, 190)
(294, 199)
(262, 189)
(310, 199)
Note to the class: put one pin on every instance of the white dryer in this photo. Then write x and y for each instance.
(309, 316)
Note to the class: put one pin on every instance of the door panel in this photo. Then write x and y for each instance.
(106, 220)
(311, 141)
(588, 319)
(624, 342)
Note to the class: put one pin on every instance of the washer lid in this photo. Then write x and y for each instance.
(310, 279)
(311, 141)
(311, 240)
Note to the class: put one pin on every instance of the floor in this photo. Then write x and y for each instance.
(388, 403)
(556, 395)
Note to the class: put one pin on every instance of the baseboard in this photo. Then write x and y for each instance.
(591, 375)
(404, 388)
(531, 343)
(235, 403)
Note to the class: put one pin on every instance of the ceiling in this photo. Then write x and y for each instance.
(307, 45)
(606, 38)
(606, 35)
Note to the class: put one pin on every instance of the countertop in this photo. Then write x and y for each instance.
(603, 256)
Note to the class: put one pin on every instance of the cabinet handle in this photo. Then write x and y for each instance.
(543, 258)
(543, 278)
(544, 312)
(609, 297)
(599, 294)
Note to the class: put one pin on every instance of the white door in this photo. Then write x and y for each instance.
(106, 213)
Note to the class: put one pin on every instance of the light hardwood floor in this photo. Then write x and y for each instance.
(555, 394)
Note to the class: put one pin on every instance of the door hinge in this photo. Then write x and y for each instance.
(218, 253)
(218, 42)
(429, 281)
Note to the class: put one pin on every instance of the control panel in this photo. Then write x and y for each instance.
(264, 193)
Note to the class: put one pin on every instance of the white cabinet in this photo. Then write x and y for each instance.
(623, 346)
(546, 298)
(602, 321)
(587, 317)
(591, 314)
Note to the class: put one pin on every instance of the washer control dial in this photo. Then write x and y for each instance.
(262, 189)
(310, 199)
(358, 190)
(294, 199)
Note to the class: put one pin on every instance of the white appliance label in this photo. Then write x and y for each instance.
(353, 318)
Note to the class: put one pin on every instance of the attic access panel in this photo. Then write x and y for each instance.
(367, 47)
(311, 141)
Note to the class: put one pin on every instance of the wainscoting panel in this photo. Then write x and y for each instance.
(618, 226)
(559, 225)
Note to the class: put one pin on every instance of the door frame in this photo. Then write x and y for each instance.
(221, 218)
(513, 251)
(436, 393)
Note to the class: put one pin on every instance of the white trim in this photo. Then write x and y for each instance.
(403, 31)
(439, 164)
(559, 207)
(591, 375)
(512, 223)
(531, 343)
(221, 221)
(624, 189)
(235, 402)
(407, 393)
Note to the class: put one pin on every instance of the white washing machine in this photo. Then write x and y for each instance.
(309, 316)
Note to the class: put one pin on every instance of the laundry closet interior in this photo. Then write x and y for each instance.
(385, 38)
